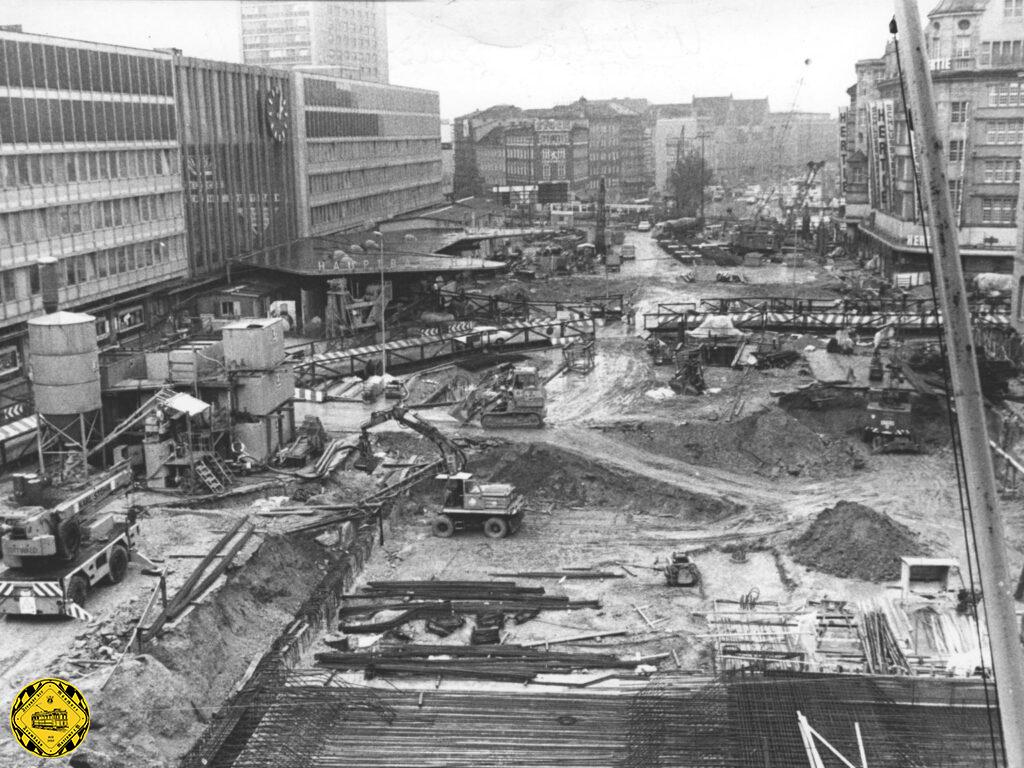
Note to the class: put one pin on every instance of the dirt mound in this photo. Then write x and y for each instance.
(546, 475)
(196, 663)
(770, 442)
(842, 411)
(855, 541)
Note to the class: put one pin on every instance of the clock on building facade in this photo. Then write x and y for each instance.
(277, 114)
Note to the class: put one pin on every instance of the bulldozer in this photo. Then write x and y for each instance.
(510, 396)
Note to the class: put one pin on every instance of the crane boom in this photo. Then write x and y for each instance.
(453, 457)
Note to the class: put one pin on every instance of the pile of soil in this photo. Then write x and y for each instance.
(842, 411)
(855, 541)
(771, 443)
(194, 666)
(546, 475)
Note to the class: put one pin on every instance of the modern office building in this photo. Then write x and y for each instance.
(345, 39)
(366, 152)
(90, 175)
(238, 146)
(975, 51)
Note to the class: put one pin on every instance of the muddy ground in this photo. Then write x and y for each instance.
(622, 475)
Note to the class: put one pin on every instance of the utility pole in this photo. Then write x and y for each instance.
(987, 525)
(702, 135)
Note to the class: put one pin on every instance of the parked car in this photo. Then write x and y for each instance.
(643, 226)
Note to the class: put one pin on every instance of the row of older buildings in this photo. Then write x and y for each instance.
(975, 54)
(632, 145)
(149, 173)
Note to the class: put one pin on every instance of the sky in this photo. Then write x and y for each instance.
(536, 53)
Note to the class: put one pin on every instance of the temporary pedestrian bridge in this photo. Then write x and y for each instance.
(814, 315)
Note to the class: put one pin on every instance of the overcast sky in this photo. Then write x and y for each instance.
(536, 53)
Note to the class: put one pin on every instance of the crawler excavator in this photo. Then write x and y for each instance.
(466, 502)
(510, 396)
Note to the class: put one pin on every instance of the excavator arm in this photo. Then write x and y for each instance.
(454, 458)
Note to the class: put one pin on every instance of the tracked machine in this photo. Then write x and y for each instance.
(510, 396)
(889, 423)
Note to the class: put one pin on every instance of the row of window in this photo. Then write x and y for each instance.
(1004, 131)
(372, 177)
(117, 261)
(329, 93)
(367, 150)
(998, 210)
(1002, 53)
(33, 65)
(24, 282)
(39, 224)
(374, 206)
(1001, 171)
(44, 121)
(36, 170)
(1005, 95)
(330, 124)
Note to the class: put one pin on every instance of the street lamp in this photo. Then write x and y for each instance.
(383, 309)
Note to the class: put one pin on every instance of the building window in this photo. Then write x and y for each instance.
(1004, 95)
(956, 150)
(956, 193)
(1003, 131)
(1013, 8)
(998, 210)
(1002, 171)
(958, 112)
(962, 47)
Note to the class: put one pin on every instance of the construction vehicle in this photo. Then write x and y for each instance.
(53, 555)
(466, 501)
(681, 571)
(509, 396)
(451, 455)
(889, 424)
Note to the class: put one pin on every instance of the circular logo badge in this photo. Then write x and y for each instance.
(50, 717)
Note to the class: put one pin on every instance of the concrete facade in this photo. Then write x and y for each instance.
(975, 52)
(365, 152)
(90, 175)
(239, 171)
(346, 39)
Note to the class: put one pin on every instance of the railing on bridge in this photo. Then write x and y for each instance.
(776, 312)
(607, 307)
(317, 369)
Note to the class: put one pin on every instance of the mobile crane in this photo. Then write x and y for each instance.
(53, 555)
(466, 502)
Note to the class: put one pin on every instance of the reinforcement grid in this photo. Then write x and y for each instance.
(310, 719)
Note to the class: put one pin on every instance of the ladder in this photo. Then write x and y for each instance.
(219, 469)
(210, 480)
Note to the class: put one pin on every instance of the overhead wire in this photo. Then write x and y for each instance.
(963, 493)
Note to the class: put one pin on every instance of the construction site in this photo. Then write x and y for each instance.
(702, 493)
(632, 517)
